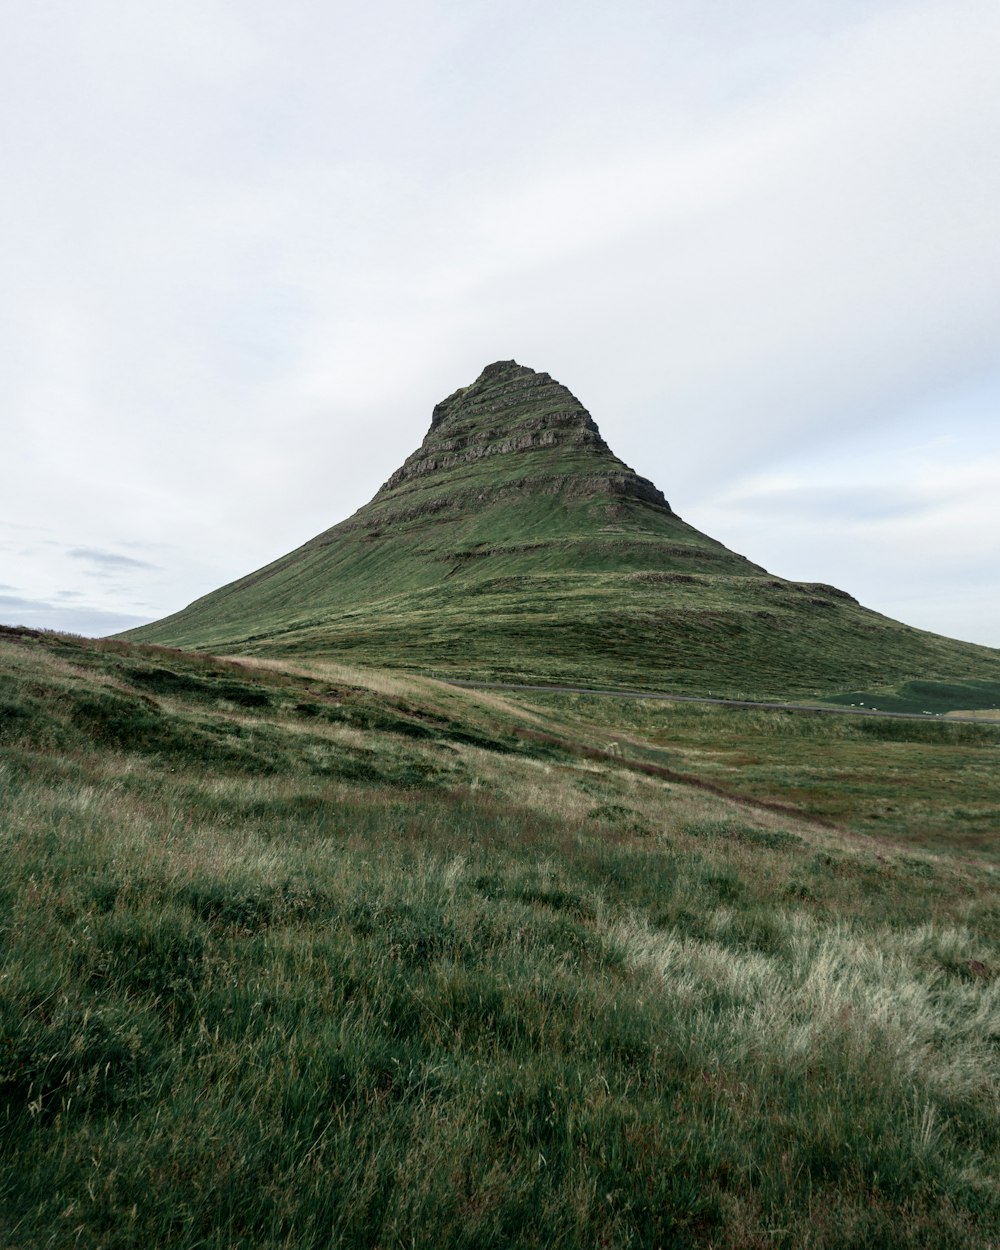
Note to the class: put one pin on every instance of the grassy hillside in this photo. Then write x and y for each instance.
(514, 545)
(300, 956)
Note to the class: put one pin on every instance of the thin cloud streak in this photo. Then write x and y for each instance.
(108, 559)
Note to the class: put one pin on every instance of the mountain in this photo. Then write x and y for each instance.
(513, 544)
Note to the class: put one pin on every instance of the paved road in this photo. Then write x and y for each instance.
(693, 698)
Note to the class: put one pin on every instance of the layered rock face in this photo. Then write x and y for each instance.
(511, 411)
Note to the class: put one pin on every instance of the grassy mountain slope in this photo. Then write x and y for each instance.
(299, 956)
(513, 544)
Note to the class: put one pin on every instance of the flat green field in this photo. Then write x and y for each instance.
(297, 955)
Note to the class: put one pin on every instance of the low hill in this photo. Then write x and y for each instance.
(295, 955)
(513, 544)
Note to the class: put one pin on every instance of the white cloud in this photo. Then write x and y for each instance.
(917, 542)
(248, 247)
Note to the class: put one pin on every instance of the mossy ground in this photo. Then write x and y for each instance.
(304, 957)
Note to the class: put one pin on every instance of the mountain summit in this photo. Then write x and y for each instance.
(515, 465)
(511, 409)
(514, 544)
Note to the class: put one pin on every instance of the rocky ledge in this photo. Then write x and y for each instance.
(511, 409)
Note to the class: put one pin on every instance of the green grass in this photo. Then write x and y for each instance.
(926, 785)
(297, 957)
(927, 697)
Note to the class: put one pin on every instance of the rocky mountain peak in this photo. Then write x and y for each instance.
(506, 395)
(511, 409)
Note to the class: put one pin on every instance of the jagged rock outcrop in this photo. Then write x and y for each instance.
(510, 410)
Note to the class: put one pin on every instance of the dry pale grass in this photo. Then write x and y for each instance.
(454, 700)
(881, 992)
(381, 681)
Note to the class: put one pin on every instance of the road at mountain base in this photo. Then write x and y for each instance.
(733, 703)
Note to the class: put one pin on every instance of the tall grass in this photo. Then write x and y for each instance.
(519, 1001)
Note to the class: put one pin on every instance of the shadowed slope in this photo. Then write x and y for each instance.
(513, 543)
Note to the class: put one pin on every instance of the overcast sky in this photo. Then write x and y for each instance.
(246, 245)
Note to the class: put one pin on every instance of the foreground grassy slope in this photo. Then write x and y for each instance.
(514, 545)
(294, 961)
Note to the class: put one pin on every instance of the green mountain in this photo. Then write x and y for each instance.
(513, 544)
